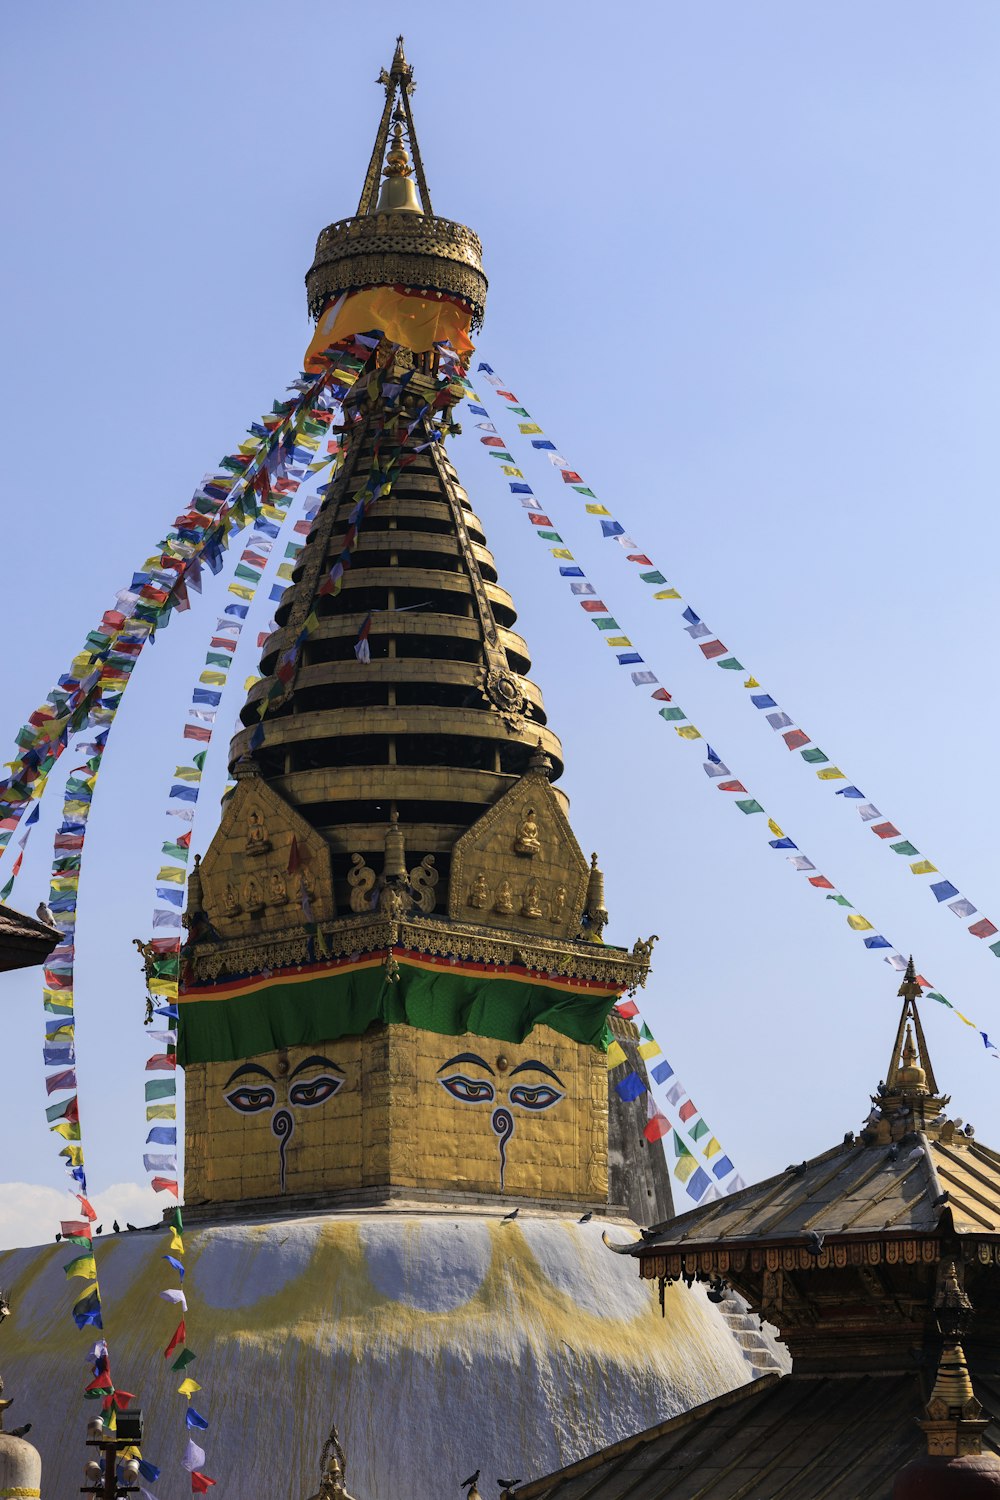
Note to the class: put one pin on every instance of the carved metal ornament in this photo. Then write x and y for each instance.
(505, 696)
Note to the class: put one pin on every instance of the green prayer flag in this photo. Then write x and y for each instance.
(813, 756)
(840, 900)
(905, 847)
(748, 805)
(583, 489)
(160, 1088)
(933, 995)
(670, 714)
(250, 574)
(607, 624)
(731, 665)
(186, 1357)
(550, 536)
(652, 577)
(698, 1129)
(218, 659)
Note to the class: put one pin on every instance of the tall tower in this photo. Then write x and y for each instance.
(396, 982)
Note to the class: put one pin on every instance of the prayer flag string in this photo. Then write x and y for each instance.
(715, 768)
(713, 651)
(697, 1182)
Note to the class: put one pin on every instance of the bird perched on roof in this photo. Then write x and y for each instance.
(473, 1479)
(941, 1200)
(116, 1226)
(99, 1229)
(22, 1431)
(507, 1485)
(128, 1225)
(44, 915)
(58, 1237)
(814, 1241)
(583, 1219)
(512, 1215)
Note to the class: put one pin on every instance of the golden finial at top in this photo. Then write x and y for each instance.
(910, 989)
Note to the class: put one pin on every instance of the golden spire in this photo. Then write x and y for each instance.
(398, 193)
(954, 1423)
(910, 1073)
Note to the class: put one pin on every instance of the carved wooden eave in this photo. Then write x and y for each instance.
(439, 936)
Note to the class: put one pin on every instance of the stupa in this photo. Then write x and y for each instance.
(395, 996)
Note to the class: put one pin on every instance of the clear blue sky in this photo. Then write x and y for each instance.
(743, 266)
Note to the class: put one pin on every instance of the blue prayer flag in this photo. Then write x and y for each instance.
(238, 610)
(571, 573)
(543, 443)
(631, 1087)
(722, 1167)
(195, 1419)
(612, 528)
(174, 896)
(850, 791)
(662, 1071)
(782, 844)
(480, 411)
(276, 593)
(698, 1184)
(207, 697)
(943, 890)
(178, 1265)
(520, 489)
(162, 1135)
(762, 700)
(878, 941)
(628, 658)
(184, 793)
(149, 1472)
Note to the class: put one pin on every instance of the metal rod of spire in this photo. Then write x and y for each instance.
(378, 152)
(418, 163)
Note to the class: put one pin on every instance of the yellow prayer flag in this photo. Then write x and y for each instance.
(172, 874)
(751, 682)
(161, 1112)
(241, 590)
(68, 1129)
(188, 1387)
(597, 510)
(285, 571)
(775, 829)
(510, 471)
(73, 1154)
(688, 731)
(187, 773)
(250, 682)
(176, 1243)
(617, 640)
(859, 923)
(562, 552)
(831, 773)
(212, 677)
(964, 1018)
(684, 1167)
(649, 1049)
(616, 1055)
(711, 1148)
(164, 987)
(667, 594)
(530, 429)
(924, 867)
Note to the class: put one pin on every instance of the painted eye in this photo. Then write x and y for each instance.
(469, 1090)
(539, 1097)
(250, 1101)
(314, 1090)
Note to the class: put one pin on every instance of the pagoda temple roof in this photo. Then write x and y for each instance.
(782, 1436)
(24, 941)
(855, 1189)
(910, 1171)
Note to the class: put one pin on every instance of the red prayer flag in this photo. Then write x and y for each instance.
(886, 830)
(197, 732)
(223, 643)
(164, 1185)
(122, 1399)
(711, 649)
(185, 840)
(731, 786)
(161, 1062)
(570, 476)
(199, 1482)
(627, 1008)
(508, 396)
(294, 856)
(656, 1128)
(687, 1109)
(594, 606)
(537, 520)
(661, 695)
(493, 442)
(795, 739)
(78, 1227)
(820, 882)
(85, 1208)
(983, 928)
(641, 558)
(178, 1339)
(168, 945)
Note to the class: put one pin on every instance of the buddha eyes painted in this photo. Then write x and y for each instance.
(250, 1101)
(469, 1090)
(541, 1097)
(259, 1092)
(315, 1091)
(531, 1096)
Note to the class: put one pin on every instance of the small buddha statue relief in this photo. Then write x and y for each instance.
(526, 840)
(479, 892)
(559, 904)
(257, 839)
(532, 903)
(505, 899)
(253, 896)
(278, 890)
(230, 901)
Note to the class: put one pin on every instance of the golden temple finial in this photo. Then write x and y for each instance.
(907, 1098)
(953, 1424)
(910, 989)
(398, 193)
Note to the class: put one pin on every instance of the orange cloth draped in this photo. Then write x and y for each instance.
(412, 319)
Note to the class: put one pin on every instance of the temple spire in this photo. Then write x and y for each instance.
(398, 194)
(910, 1070)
